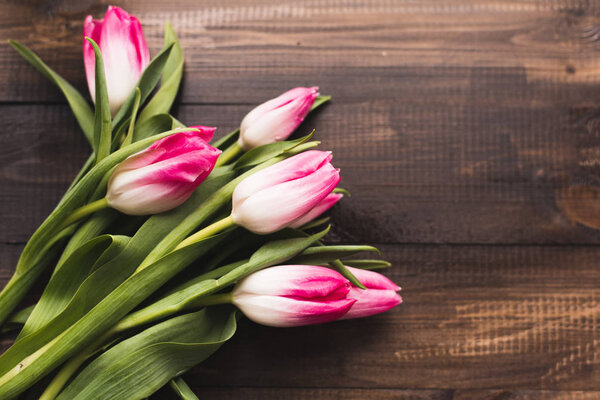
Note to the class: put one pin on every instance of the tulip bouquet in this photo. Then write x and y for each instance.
(165, 233)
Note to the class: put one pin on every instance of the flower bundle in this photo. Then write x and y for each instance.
(119, 318)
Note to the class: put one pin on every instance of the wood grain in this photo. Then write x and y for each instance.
(468, 134)
(411, 180)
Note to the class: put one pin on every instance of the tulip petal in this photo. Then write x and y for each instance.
(373, 280)
(275, 207)
(276, 119)
(289, 169)
(92, 29)
(282, 100)
(284, 312)
(295, 281)
(371, 301)
(124, 51)
(163, 176)
(329, 201)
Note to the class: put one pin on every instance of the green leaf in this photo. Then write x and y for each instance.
(315, 223)
(319, 255)
(136, 104)
(146, 84)
(162, 101)
(110, 275)
(139, 366)
(341, 268)
(342, 191)
(64, 283)
(102, 127)
(268, 151)
(367, 264)
(17, 320)
(319, 101)
(80, 107)
(21, 282)
(154, 125)
(28, 268)
(182, 389)
(18, 376)
(227, 140)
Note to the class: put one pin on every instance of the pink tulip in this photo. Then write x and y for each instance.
(275, 197)
(276, 119)
(324, 205)
(164, 175)
(293, 295)
(380, 294)
(124, 52)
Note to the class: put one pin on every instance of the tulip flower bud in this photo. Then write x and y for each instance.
(276, 119)
(380, 294)
(164, 175)
(293, 295)
(124, 52)
(273, 198)
(324, 205)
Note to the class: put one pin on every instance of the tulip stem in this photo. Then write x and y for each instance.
(210, 230)
(84, 211)
(230, 153)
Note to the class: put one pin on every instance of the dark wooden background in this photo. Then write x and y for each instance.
(469, 135)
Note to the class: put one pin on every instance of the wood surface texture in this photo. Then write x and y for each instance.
(468, 133)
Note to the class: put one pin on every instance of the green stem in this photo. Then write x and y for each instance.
(84, 211)
(230, 153)
(182, 389)
(69, 369)
(210, 230)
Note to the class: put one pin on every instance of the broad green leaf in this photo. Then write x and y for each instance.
(18, 376)
(268, 151)
(367, 264)
(146, 84)
(324, 254)
(110, 275)
(163, 99)
(140, 365)
(80, 107)
(17, 320)
(102, 122)
(182, 389)
(64, 283)
(28, 268)
(20, 283)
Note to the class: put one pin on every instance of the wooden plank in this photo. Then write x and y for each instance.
(496, 178)
(218, 393)
(524, 395)
(473, 317)
(237, 52)
(511, 317)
